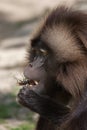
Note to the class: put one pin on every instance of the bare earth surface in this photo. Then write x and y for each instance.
(17, 21)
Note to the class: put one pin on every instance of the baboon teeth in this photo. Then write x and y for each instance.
(33, 82)
(36, 82)
(30, 85)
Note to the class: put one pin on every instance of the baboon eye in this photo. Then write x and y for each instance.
(43, 51)
(40, 51)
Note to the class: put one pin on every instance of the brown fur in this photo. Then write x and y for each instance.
(63, 43)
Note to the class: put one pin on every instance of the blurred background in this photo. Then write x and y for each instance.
(18, 19)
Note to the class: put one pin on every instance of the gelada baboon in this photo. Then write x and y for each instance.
(55, 77)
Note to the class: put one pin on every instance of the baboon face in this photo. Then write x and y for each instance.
(41, 70)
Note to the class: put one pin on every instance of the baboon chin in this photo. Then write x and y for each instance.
(56, 73)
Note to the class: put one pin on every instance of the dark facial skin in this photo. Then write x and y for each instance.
(40, 96)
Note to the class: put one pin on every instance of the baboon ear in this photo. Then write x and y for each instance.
(82, 30)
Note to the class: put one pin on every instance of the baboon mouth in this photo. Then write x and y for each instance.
(28, 82)
(33, 82)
